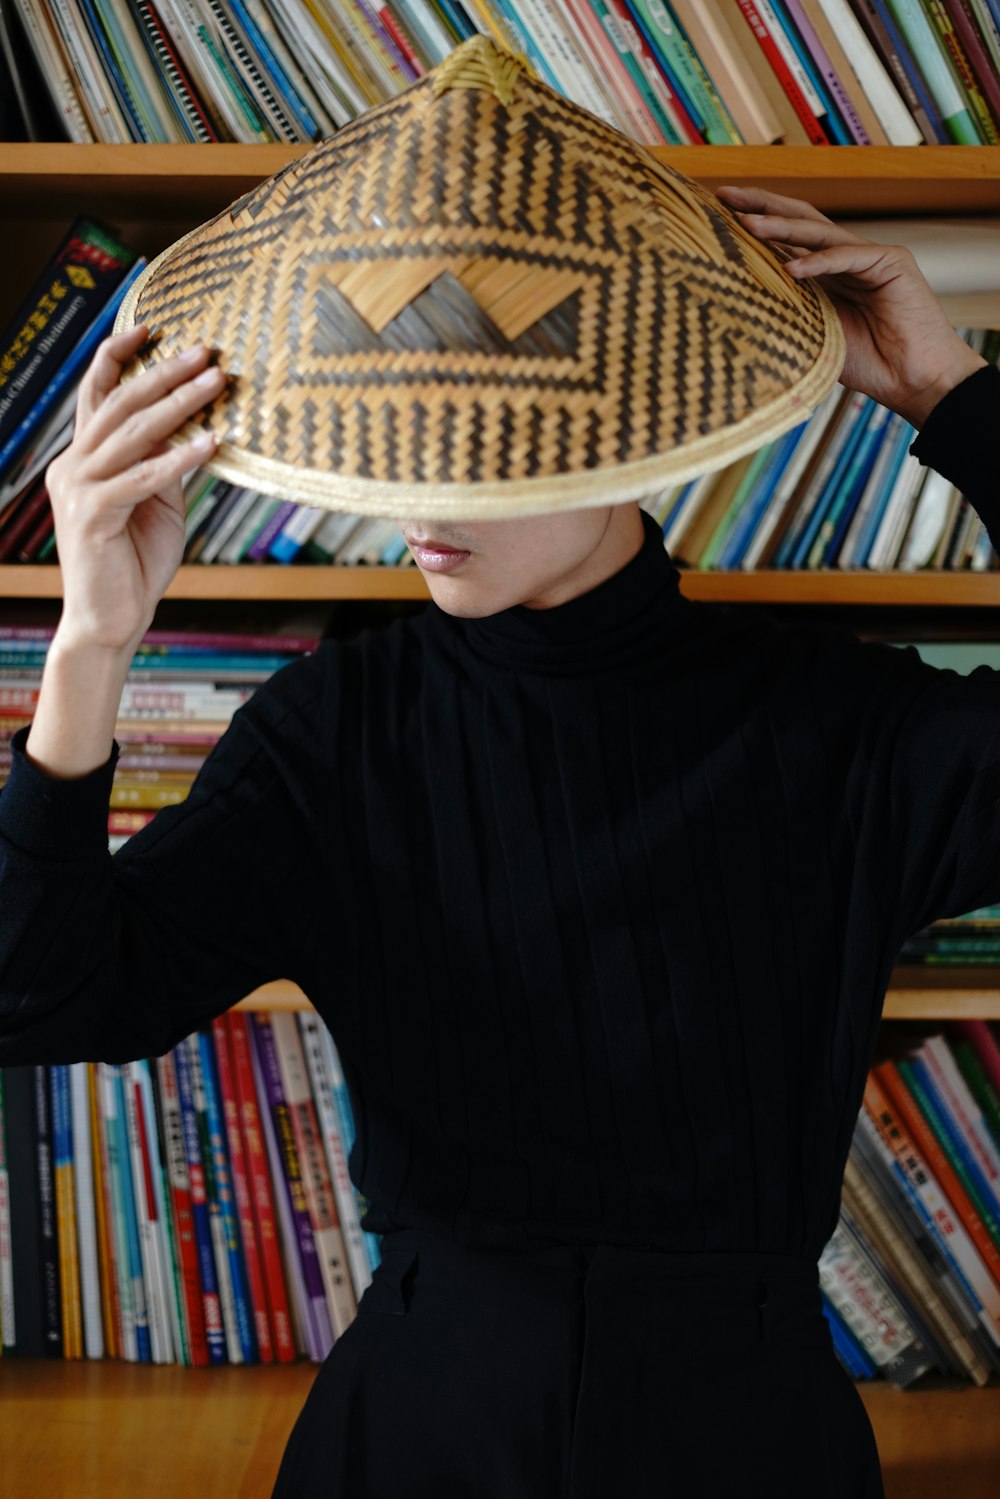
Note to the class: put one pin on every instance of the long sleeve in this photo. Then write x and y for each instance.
(113, 957)
(929, 737)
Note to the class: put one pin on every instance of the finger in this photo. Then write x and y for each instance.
(762, 200)
(131, 486)
(814, 233)
(126, 430)
(858, 259)
(104, 371)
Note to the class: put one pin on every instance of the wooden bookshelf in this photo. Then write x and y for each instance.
(320, 584)
(118, 1430)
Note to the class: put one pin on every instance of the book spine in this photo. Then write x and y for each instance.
(48, 1242)
(156, 1132)
(267, 1056)
(933, 64)
(316, 1177)
(194, 1340)
(769, 46)
(213, 1193)
(104, 1212)
(8, 1332)
(265, 1224)
(145, 1218)
(241, 1190)
(215, 1334)
(128, 1308)
(972, 63)
(64, 1174)
(832, 79)
(919, 1080)
(346, 1128)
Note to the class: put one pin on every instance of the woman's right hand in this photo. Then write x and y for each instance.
(116, 489)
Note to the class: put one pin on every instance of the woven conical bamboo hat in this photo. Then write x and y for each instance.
(477, 300)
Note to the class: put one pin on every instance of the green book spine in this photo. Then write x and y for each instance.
(611, 23)
(672, 40)
(983, 1090)
(933, 1117)
(933, 63)
(742, 493)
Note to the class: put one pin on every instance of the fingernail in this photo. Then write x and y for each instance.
(191, 354)
(739, 191)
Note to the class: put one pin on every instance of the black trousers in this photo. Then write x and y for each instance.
(582, 1372)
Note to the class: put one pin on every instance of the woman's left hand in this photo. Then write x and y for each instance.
(901, 348)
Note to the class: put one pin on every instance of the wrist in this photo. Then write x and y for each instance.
(921, 400)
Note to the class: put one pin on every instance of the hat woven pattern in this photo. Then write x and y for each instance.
(460, 295)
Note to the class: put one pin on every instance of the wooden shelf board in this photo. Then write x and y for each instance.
(50, 179)
(828, 586)
(112, 1429)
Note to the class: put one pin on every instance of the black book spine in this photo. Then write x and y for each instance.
(48, 1235)
(25, 1211)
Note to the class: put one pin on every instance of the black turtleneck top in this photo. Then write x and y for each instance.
(599, 902)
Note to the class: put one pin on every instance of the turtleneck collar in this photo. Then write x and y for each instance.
(623, 622)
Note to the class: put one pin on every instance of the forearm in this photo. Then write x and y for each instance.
(74, 723)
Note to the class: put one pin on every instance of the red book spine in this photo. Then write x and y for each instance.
(31, 508)
(395, 29)
(180, 1202)
(781, 71)
(262, 1201)
(926, 1141)
(37, 538)
(241, 1190)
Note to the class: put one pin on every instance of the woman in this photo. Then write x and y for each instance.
(598, 889)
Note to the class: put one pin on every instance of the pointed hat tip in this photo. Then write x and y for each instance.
(481, 62)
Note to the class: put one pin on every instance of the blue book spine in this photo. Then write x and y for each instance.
(224, 1188)
(393, 550)
(78, 356)
(833, 483)
(746, 524)
(902, 438)
(120, 84)
(456, 18)
(846, 1345)
(879, 438)
(683, 97)
(145, 1349)
(912, 72)
(214, 1330)
(279, 80)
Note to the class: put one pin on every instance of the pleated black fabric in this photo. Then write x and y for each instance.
(600, 904)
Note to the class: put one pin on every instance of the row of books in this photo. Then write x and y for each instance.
(956, 941)
(830, 72)
(911, 1276)
(839, 491)
(182, 689)
(197, 1208)
(193, 1209)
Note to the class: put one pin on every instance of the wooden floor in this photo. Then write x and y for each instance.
(118, 1431)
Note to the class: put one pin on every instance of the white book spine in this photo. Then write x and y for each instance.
(311, 1028)
(252, 522)
(107, 117)
(877, 85)
(929, 517)
(869, 1309)
(54, 71)
(182, 22)
(305, 32)
(959, 1098)
(86, 1218)
(898, 506)
(145, 79)
(872, 492)
(268, 29)
(780, 38)
(171, 1281)
(566, 58)
(330, 1248)
(225, 530)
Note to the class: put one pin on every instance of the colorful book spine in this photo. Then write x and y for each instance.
(215, 1332)
(768, 43)
(319, 1330)
(194, 1344)
(262, 1199)
(65, 1198)
(933, 63)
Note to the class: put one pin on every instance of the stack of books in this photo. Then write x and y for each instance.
(44, 353)
(674, 72)
(911, 1277)
(839, 491)
(183, 688)
(193, 1209)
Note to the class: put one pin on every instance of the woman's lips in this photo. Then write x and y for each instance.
(436, 558)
